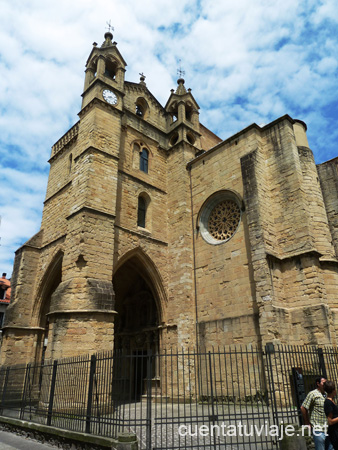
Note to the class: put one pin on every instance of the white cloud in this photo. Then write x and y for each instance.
(327, 65)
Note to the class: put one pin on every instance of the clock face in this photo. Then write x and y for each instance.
(109, 97)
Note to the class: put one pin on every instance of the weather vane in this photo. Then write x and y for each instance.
(180, 71)
(110, 28)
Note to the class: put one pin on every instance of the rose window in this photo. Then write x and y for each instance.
(224, 220)
(220, 217)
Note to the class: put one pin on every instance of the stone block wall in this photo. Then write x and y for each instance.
(282, 237)
(274, 280)
(154, 114)
(224, 278)
(328, 178)
(315, 207)
(80, 332)
(181, 295)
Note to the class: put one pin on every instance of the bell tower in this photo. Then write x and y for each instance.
(84, 300)
(184, 139)
(105, 70)
(183, 121)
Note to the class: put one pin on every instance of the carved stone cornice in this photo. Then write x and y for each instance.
(136, 87)
(67, 139)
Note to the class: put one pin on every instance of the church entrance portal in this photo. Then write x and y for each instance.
(50, 283)
(136, 324)
(137, 320)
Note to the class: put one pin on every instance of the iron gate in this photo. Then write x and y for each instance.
(232, 398)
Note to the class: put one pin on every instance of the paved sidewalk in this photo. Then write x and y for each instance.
(10, 441)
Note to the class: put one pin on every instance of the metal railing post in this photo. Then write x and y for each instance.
(51, 393)
(25, 387)
(213, 418)
(149, 378)
(90, 392)
(3, 397)
(322, 362)
(269, 350)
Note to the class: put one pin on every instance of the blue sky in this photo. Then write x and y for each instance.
(245, 61)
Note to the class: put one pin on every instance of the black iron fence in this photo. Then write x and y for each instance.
(236, 397)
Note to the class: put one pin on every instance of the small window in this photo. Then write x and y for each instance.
(191, 139)
(144, 156)
(174, 139)
(141, 212)
(70, 163)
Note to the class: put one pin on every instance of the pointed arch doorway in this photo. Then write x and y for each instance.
(136, 328)
(50, 281)
(137, 307)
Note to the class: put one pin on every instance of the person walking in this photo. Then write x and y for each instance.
(331, 411)
(314, 416)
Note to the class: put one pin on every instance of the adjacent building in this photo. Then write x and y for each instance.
(5, 296)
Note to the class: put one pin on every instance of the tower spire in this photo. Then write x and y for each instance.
(180, 71)
(108, 36)
(110, 28)
(180, 88)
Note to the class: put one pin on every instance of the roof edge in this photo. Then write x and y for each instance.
(245, 130)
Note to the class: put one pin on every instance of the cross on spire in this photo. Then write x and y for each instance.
(142, 78)
(180, 71)
(110, 28)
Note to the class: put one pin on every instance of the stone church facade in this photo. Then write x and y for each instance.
(156, 233)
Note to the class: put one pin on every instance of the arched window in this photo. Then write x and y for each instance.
(174, 112)
(144, 156)
(91, 72)
(110, 69)
(188, 112)
(141, 107)
(141, 212)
